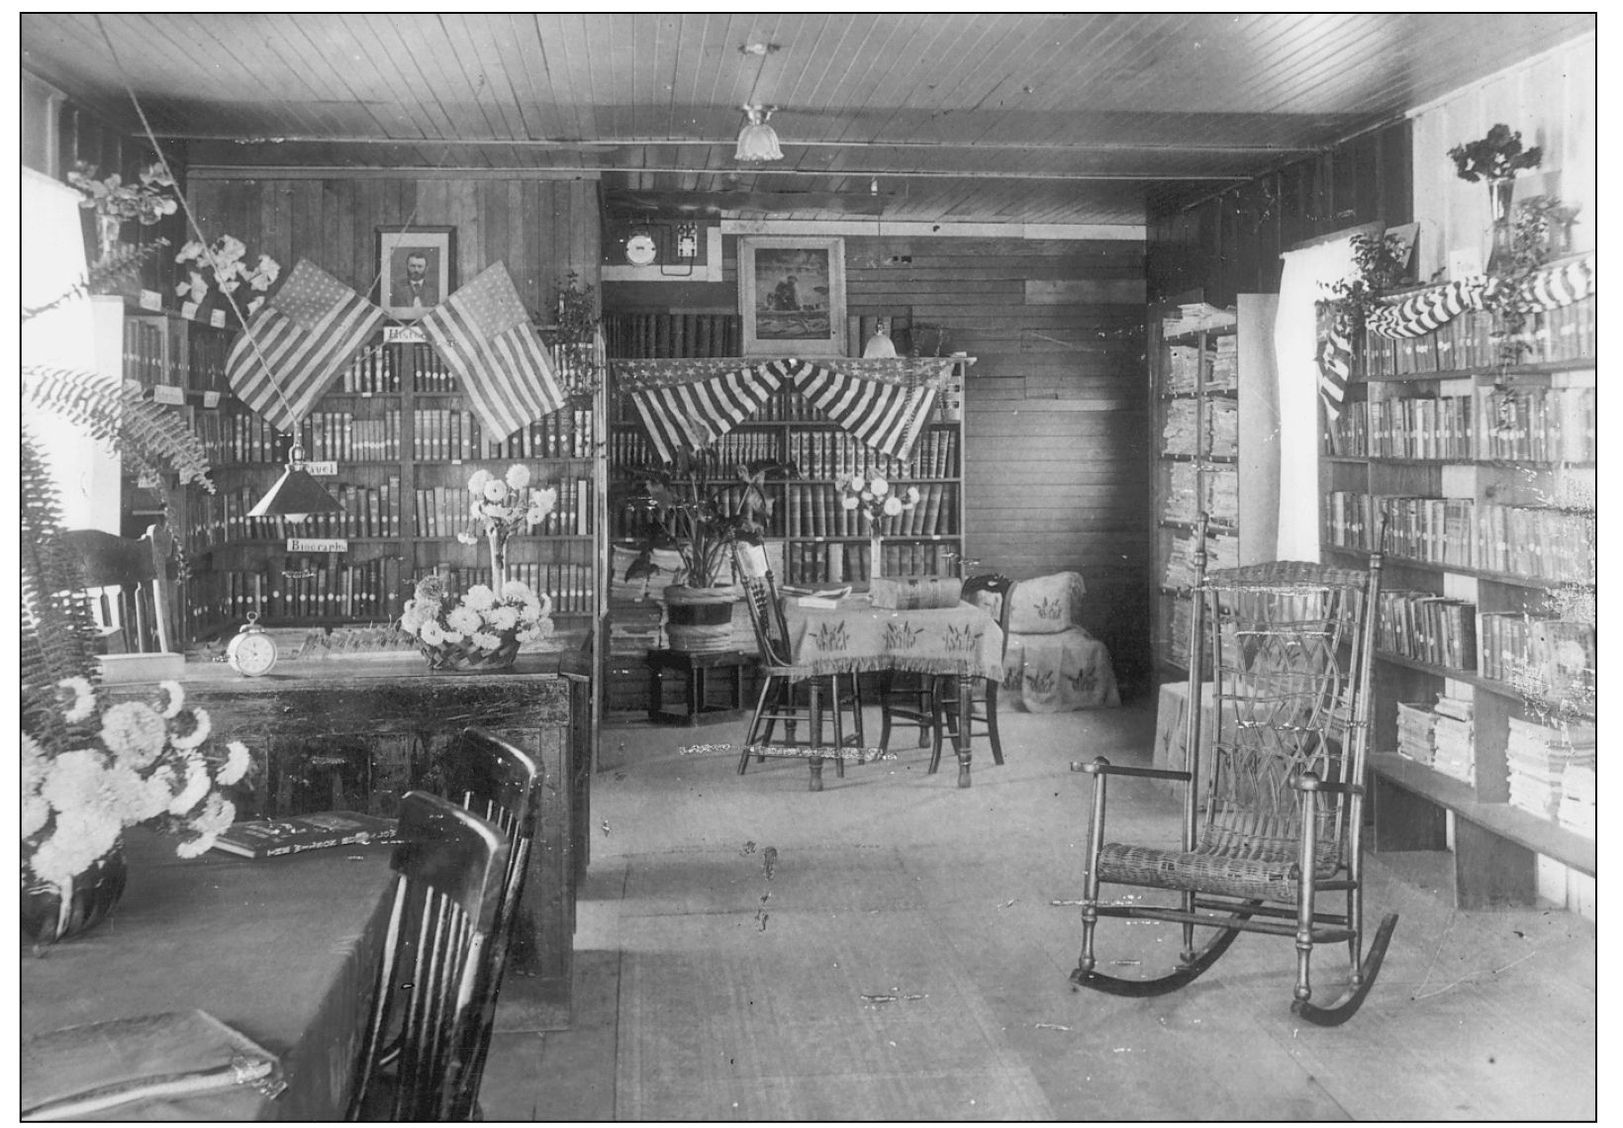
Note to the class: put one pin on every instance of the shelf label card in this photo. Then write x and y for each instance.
(188, 310)
(211, 399)
(169, 393)
(325, 469)
(404, 335)
(217, 318)
(151, 299)
(317, 544)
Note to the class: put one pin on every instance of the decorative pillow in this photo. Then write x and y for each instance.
(916, 593)
(1046, 605)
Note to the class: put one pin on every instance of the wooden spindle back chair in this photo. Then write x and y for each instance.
(132, 596)
(449, 865)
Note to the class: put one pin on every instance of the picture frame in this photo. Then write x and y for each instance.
(791, 295)
(408, 254)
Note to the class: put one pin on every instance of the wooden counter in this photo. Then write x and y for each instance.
(331, 734)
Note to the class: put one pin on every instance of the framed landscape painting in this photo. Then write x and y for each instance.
(791, 295)
(416, 269)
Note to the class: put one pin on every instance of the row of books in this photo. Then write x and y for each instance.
(152, 351)
(635, 336)
(1193, 488)
(844, 562)
(1538, 759)
(452, 435)
(569, 585)
(1468, 342)
(1221, 552)
(836, 454)
(1428, 628)
(443, 511)
(814, 510)
(302, 587)
(1535, 542)
(385, 369)
(368, 511)
(1526, 424)
(1543, 656)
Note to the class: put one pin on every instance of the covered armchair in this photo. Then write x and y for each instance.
(1051, 664)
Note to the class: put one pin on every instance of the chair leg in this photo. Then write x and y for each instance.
(839, 726)
(753, 733)
(856, 709)
(938, 724)
(991, 721)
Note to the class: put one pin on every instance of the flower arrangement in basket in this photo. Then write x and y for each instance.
(121, 765)
(872, 497)
(483, 629)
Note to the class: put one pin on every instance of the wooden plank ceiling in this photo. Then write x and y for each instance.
(961, 117)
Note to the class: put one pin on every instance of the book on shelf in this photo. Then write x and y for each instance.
(269, 838)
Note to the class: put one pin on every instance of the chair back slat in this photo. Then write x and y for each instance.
(1285, 652)
(765, 607)
(449, 865)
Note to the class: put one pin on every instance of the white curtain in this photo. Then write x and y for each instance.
(1295, 347)
(81, 334)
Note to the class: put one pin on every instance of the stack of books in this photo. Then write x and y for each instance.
(1538, 757)
(1184, 368)
(1415, 727)
(1225, 364)
(1453, 739)
(1577, 809)
(1180, 435)
(1223, 428)
(1183, 496)
(1223, 495)
(1193, 316)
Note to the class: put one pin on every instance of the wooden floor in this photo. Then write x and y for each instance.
(890, 949)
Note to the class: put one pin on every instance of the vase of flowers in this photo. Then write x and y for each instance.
(115, 203)
(484, 628)
(221, 267)
(873, 498)
(122, 765)
(1496, 158)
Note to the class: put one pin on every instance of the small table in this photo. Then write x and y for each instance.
(962, 641)
(695, 668)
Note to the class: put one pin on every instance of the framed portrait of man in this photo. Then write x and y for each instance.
(416, 269)
(791, 295)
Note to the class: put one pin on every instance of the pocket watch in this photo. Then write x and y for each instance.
(251, 652)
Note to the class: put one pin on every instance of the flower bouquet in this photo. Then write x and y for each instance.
(872, 497)
(221, 265)
(484, 628)
(115, 202)
(126, 764)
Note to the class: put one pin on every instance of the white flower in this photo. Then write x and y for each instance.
(545, 500)
(78, 840)
(84, 700)
(135, 730)
(879, 486)
(848, 501)
(451, 637)
(431, 633)
(126, 794)
(36, 765)
(216, 815)
(518, 476)
(467, 538)
(35, 813)
(893, 505)
(495, 490)
(476, 484)
(255, 304)
(912, 495)
(857, 482)
(503, 618)
(411, 619)
(479, 597)
(236, 763)
(517, 590)
(192, 250)
(175, 697)
(198, 734)
(197, 786)
(483, 640)
(462, 619)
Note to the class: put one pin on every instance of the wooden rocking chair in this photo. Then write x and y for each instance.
(1288, 647)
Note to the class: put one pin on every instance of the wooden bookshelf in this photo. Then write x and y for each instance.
(1484, 476)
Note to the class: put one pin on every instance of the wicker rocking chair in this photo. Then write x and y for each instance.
(1287, 646)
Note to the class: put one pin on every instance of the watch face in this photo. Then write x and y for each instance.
(253, 654)
(640, 249)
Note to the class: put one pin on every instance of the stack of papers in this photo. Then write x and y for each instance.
(1539, 756)
(1198, 315)
(1416, 724)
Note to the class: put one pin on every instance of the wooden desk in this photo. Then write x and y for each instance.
(285, 950)
(856, 636)
(328, 734)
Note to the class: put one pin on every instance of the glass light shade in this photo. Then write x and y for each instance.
(758, 141)
(295, 496)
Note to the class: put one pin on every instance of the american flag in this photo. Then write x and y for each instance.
(485, 337)
(886, 416)
(1334, 358)
(299, 340)
(692, 416)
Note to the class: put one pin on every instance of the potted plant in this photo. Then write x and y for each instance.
(690, 513)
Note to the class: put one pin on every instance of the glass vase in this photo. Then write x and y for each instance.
(1502, 245)
(875, 557)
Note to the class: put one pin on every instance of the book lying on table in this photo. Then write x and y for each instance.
(265, 838)
(808, 597)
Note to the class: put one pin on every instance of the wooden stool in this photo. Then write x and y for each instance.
(695, 668)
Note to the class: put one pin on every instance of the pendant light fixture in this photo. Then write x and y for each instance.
(296, 494)
(758, 141)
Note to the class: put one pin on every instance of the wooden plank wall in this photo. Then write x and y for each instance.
(1055, 408)
(540, 228)
(1231, 243)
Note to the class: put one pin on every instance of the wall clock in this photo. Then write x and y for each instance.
(641, 250)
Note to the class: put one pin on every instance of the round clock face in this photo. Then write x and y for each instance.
(640, 249)
(252, 654)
